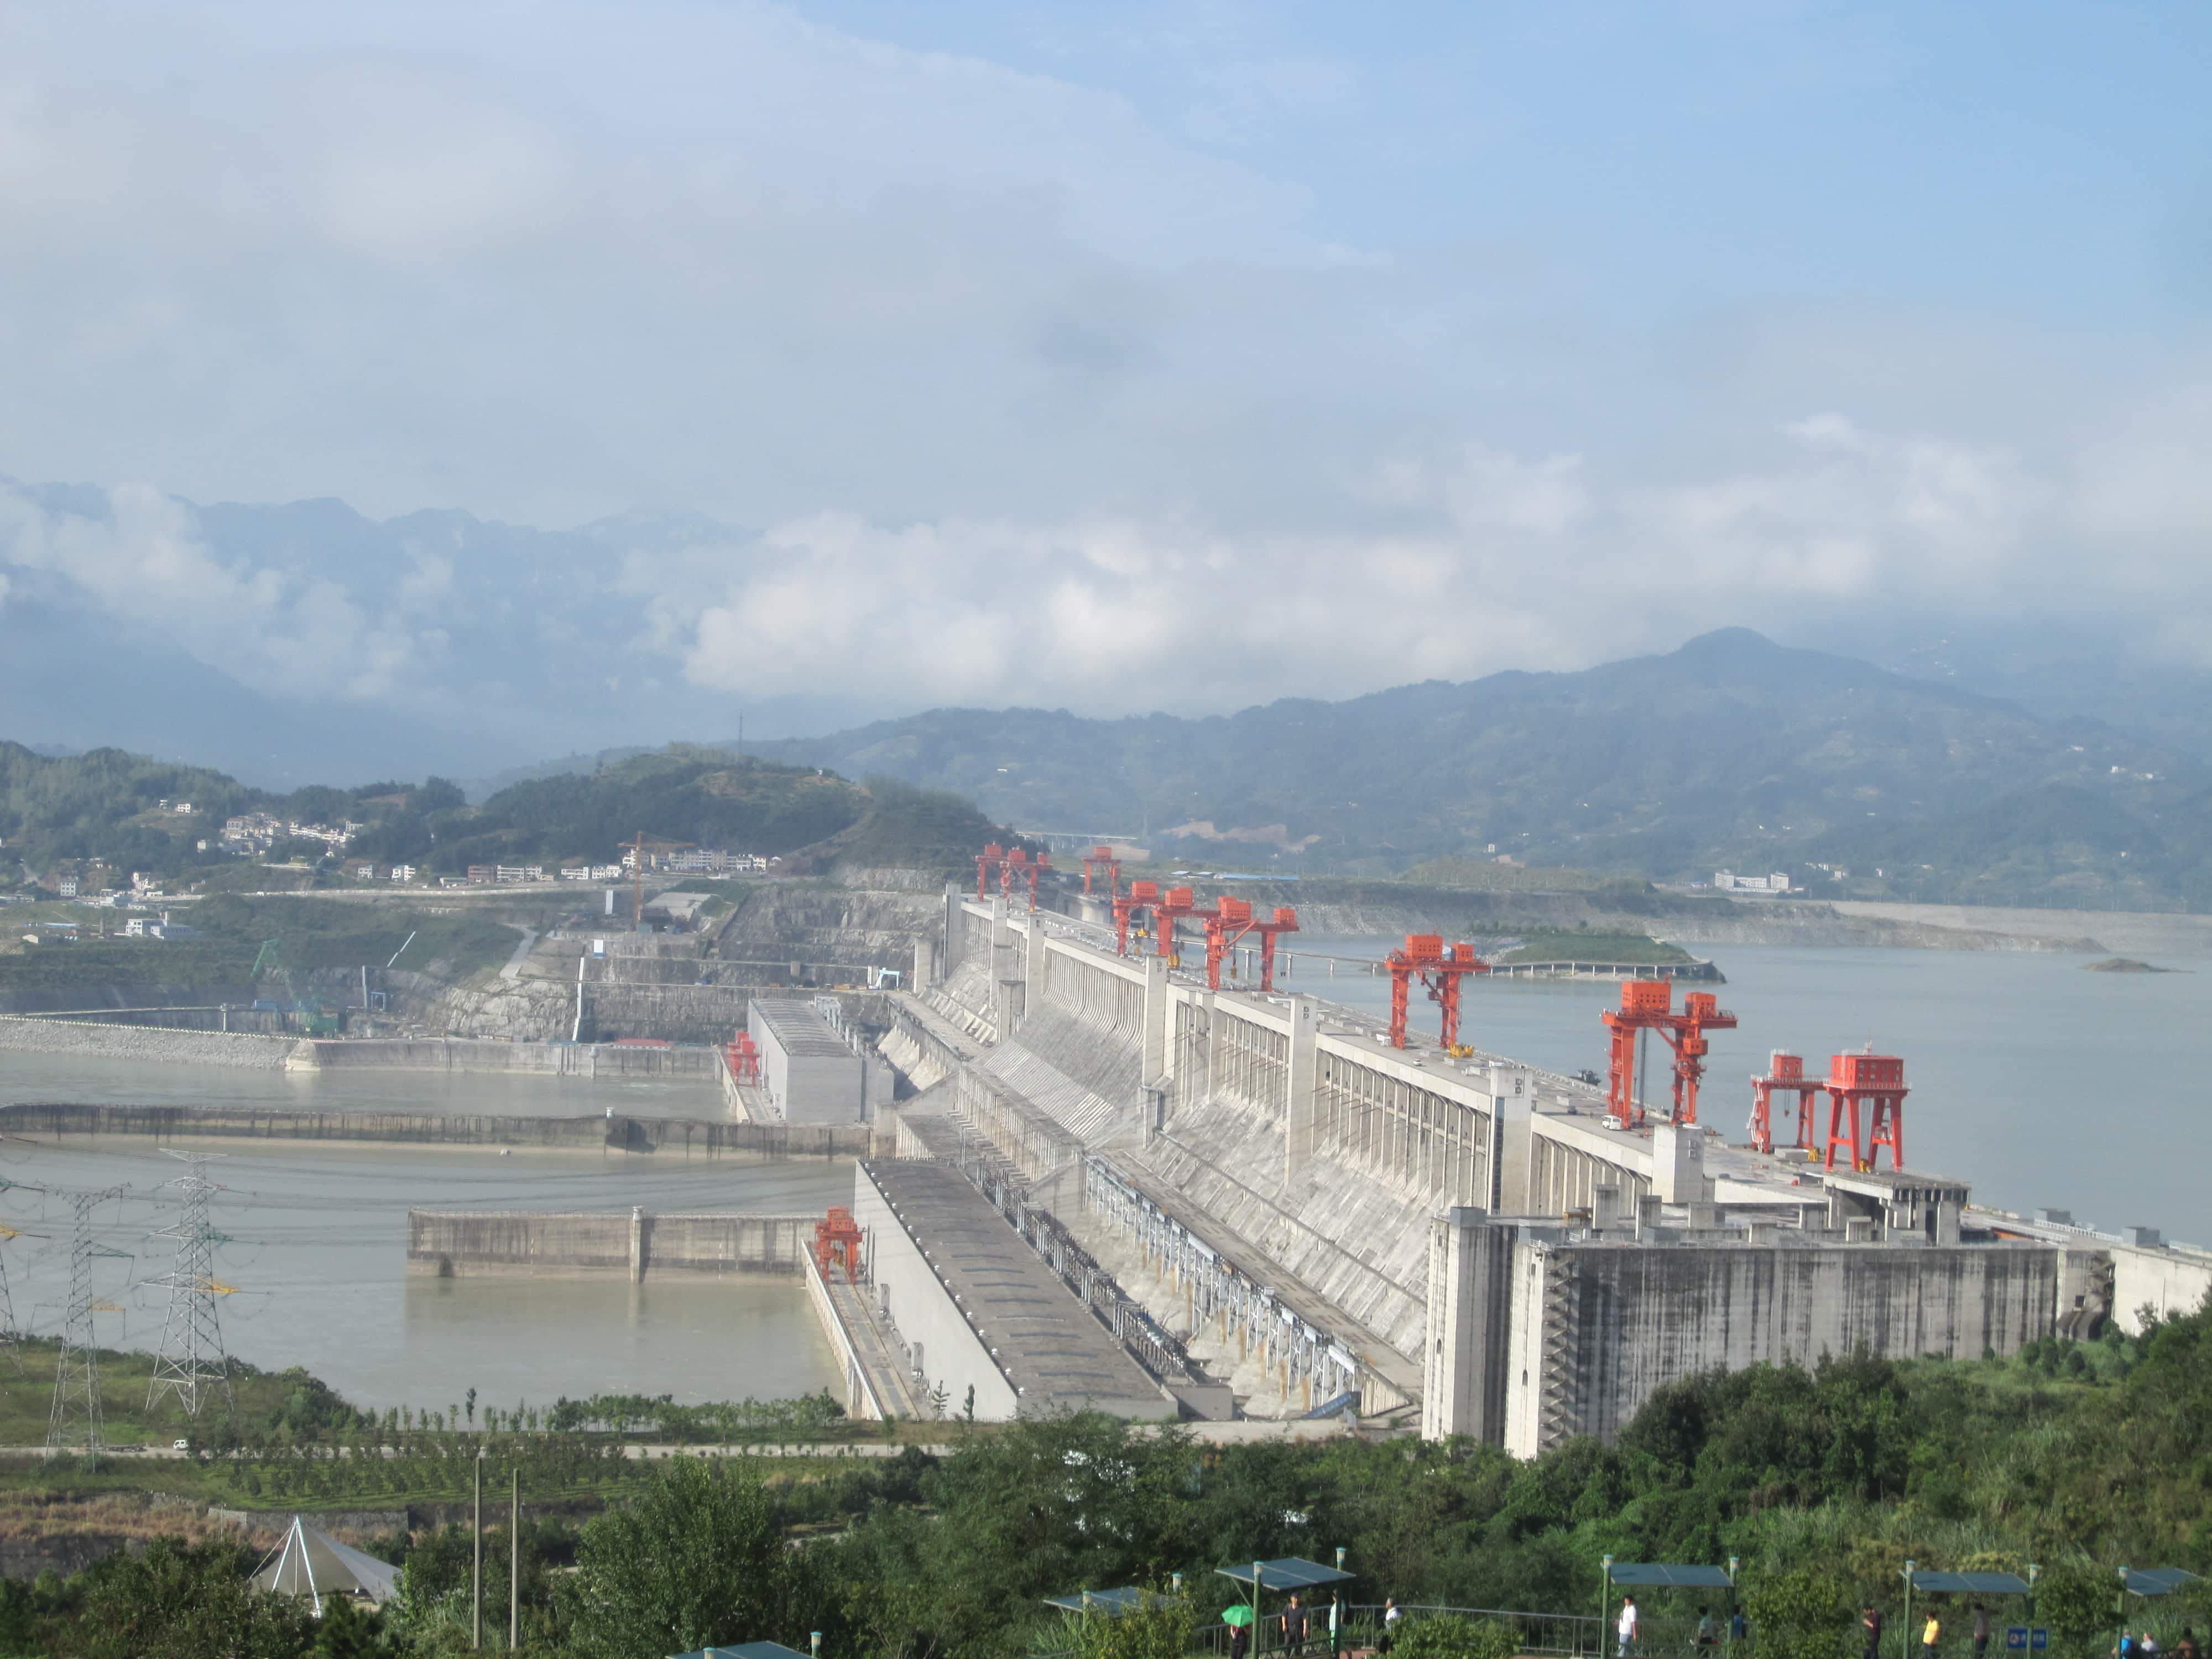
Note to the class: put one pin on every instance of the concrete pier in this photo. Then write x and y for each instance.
(471, 1243)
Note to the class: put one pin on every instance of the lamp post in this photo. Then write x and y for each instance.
(1905, 1643)
(1604, 1602)
(1729, 1645)
(2032, 1570)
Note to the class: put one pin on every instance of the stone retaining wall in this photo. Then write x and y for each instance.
(170, 1047)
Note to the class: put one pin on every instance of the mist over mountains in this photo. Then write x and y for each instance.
(303, 642)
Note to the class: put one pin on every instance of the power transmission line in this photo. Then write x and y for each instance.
(192, 1354)
(75, 1423)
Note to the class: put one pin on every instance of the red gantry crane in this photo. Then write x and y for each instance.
(1441, 972)
(838, 1241)
(744, 1056)
(1020, 865)
(992, 857)
(1648, 1004)
(1172, 906)
(1875, 1078)
(1102, 858)
(1231, 920)
(1141, 895)
(1785, 1074)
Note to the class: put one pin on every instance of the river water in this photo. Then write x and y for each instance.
(318, 1261)
(2038, 1083)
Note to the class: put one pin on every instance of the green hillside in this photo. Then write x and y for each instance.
(107, 805)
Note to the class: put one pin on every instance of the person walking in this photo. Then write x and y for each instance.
(1392, 1613)
(1931, 1635)
(1240, 1639)
(1294, 1626)
(1981, 1631)
(1624, 1627)
(2186, 1648)
(1706, 1639)
(1870, 1629)
(1336, 1625)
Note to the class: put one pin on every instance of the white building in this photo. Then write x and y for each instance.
(1728, 881)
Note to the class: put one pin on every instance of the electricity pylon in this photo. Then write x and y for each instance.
(11, 1339)
(192, 1355)
(75, 1425)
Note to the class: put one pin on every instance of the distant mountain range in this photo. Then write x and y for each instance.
(1733, 751)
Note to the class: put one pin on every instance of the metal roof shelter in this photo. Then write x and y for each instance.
(744, 1650)
(1971, 1583)
(314, 1565)
(2156, 1581)
(1292, 1572)
(1111, 1602)
(1661, 1574)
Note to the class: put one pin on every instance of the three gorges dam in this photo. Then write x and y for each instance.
(1089, 1174)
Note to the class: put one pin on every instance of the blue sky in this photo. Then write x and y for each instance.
(1065, 354)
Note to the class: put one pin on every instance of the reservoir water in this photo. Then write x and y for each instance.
(2038, 1083)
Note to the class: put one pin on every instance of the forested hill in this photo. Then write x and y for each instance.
(128, 810)
(1730, 753)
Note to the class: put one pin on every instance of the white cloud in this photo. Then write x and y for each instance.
(146, 563)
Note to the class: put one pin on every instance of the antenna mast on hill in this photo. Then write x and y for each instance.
(75, 1423)
(191, 1353)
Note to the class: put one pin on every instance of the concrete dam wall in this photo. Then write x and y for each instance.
(451, 1244)
(679, 1137)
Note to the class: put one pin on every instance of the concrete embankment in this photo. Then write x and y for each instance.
(684, 1137)
(163, 1046)
(542, 1059)
(49, 1035)
(452, 1243)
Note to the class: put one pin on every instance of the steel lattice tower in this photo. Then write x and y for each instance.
(192, 1355)
(11, 1338)
(75, 1423)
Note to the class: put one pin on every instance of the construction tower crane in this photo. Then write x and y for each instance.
(1785, 1074)
(1233, 920)
(638, 846)
(1439, 971)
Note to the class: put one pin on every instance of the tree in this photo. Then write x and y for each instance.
(187, 1601)
(698, 1560)
(1158, 1627)
(1805, 1614)
(1444, 1637)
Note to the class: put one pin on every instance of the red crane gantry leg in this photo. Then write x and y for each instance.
(1878, 1079)
(1701, 1012)
(1646, 1004)
(991, 858)
(1785, 1074)
(1172, 906)
(1141, 896)
(1019, 867)
(1440, 971)
(1102, 858)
